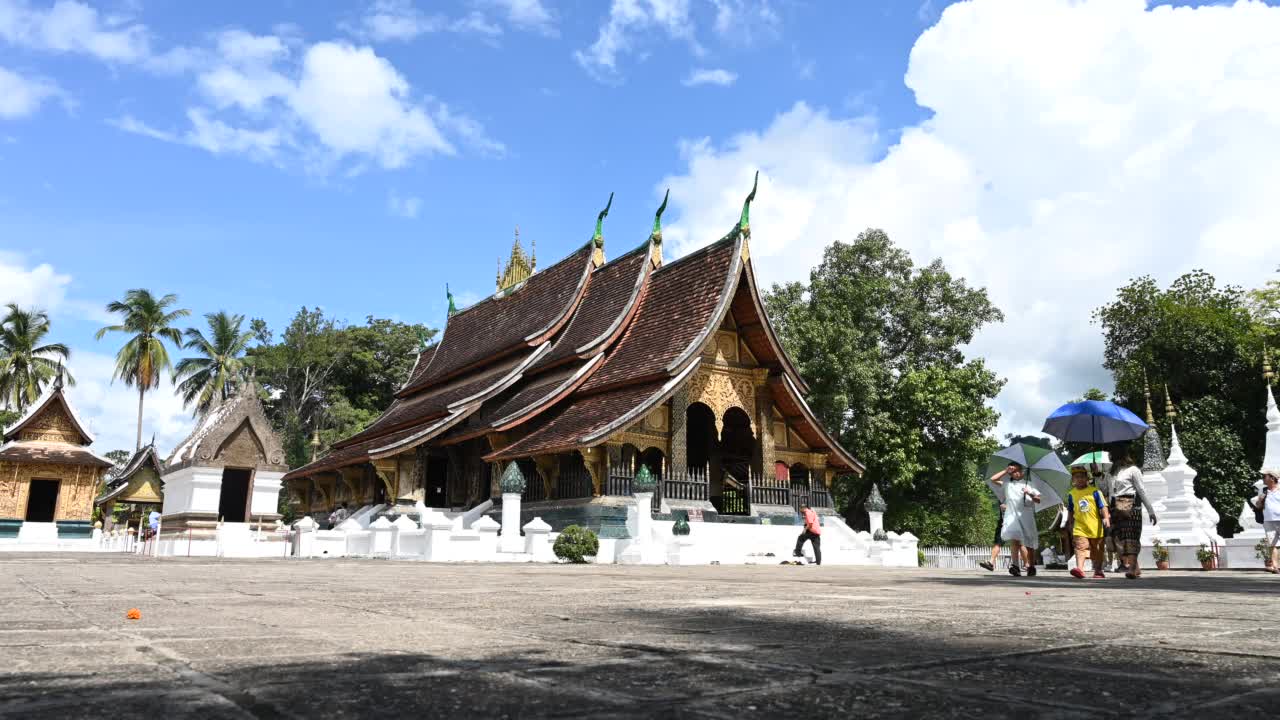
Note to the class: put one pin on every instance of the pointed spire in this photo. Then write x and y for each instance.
(656, 235)
(452, 308)
(1266, 366)
(598, 238)
(744, 222)
(1176, 458)
(533, 256)
(1169, 411)
(1273, 413)
(1146, 392)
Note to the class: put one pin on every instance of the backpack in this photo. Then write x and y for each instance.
(1257, 509)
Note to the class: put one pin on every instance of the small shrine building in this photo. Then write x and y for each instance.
(48, 473)
(226, 472)
(136, 486)
(585, 371)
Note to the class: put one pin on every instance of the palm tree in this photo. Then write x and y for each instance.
(148, 319)
(25, 364)
(213, 376)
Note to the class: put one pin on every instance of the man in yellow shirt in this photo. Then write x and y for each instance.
(1089, 515)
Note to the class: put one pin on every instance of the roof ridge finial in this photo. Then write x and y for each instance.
(598, 238)
(452, 308)
(656, 235)
(57, 377)
(744, 222)
(1146, 391)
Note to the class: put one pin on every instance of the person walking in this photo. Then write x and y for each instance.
(997, 545)
(1089, 516)
(1127, 497)
(812, 533)
(1019, 526)
(1269, 503)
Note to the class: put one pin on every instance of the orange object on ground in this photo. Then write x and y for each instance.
(134, 614)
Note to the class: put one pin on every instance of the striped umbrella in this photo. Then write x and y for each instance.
(1045, 472)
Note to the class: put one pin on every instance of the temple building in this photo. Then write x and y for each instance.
(222, 483)
(136, 487)
(48, 474)
(585, 371)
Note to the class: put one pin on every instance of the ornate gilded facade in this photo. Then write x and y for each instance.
(48, 474)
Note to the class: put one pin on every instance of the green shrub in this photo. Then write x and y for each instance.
(920, 558)
(575, 544)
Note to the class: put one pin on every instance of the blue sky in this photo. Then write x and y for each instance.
(261, 156)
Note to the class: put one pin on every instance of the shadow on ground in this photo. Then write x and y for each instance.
(698, 662)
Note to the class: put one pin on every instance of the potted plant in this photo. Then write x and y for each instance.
(1263, 551)
(1160, 554)
(1205, 556)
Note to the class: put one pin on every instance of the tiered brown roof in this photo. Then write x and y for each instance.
(522, 317)
(36, 437)
(577, 352)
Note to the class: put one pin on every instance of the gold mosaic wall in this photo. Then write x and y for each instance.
(75, 496)
(52, 425)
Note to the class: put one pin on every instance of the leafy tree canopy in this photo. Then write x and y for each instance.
(330, 380)
(879, 342)
(1205, 343)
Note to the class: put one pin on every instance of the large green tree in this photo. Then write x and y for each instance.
(27, 363)
(218, 368)
(148, 321)
(325, 380)
(1205, 343)
(879, 341)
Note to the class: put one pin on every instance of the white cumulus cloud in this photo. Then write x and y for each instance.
(68, 26)
(710, 76)
(1072, 146)
(21, 96)
(327, 104)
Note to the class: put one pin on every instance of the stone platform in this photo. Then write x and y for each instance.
(309, 638)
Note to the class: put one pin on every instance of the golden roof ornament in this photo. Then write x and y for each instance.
(1170, 413)
(518, 268)
(1146, 391)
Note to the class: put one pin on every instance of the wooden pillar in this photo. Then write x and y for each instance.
(680, 430)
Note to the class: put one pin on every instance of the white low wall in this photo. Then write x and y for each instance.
(441, 539)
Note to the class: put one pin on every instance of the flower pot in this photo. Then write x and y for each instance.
(1206, 564)
(1162, 564)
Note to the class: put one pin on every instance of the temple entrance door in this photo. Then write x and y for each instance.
(737, 446)
(42, 500)
(437, 481)
(233, 503)
(701, 443)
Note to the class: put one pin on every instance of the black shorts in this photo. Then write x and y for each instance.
(999, 526)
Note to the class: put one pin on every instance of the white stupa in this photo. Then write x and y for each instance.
(1240, 548)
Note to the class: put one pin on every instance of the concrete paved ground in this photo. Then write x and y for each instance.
(367, 638)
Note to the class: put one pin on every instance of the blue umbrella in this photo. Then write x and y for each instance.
(1094, 421)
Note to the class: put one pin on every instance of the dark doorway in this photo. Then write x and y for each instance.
(701, 442)
(42, 500)
(737, 444)
(437, 481)
(233, 505)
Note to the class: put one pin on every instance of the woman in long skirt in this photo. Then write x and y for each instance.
(1128, 497)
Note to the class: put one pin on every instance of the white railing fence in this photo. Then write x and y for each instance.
(962, 558)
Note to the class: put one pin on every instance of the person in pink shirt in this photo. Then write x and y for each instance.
(812, 533)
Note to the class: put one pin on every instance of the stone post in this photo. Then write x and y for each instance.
(439, 539)
(537, 541)
(487, 529)
(401, 525)
(305, 538)
(642, 549)
(512, 485)
(876, 507)
(380, 542)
